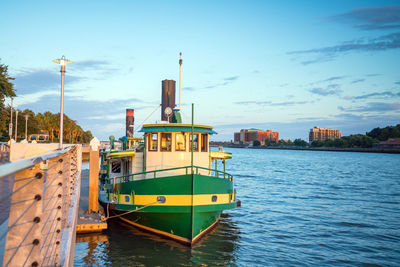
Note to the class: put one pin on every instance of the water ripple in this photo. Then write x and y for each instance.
(311, 208)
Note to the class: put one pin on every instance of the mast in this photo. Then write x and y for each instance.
(180, 74)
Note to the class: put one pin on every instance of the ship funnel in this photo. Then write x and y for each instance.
(130, 121)
(167, 98)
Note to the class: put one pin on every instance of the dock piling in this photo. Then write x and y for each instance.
(94, 176)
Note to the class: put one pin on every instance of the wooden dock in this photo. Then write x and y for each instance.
(88, 222)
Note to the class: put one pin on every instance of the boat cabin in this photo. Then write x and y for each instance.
(166, 149)
(169, 145)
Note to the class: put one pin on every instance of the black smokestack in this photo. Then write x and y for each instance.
(167, 97)
(130, 120)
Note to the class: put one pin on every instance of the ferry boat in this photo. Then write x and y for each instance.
(166, 183)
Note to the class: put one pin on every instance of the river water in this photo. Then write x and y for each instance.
(298, 208)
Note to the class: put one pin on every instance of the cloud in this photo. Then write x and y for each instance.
(398, 83)
(98, 116)
(289, 103)
(96, 69)
(371, 18)
(330, 79)
(34, 80)
(269, 103)
(34, 97)
(332, 89)
(188, 88)
(233, 78)
(373, 75)
(381, 43)
(252, 102)
(227, 80)
(373, 107)
(90, 64)
(385, 94)
(334, 78)
(358, 81)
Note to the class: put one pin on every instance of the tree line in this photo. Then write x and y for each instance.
(352, 141)
(47, 122)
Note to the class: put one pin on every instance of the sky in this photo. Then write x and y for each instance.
(281, 65)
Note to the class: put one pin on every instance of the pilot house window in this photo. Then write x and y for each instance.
(204, 143)
(180, 142)
(153, 142)
(195, 142)
(165, 142)
(115, 167)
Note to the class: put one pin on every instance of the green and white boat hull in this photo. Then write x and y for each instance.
(182, 207)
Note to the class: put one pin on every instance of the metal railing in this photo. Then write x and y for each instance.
(188, 170)
(43, 204)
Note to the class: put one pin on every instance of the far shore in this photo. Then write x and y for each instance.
(337, 149)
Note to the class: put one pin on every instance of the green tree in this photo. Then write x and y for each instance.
(317, 143)
(256, 143)
(6, 90)
(385, 133)
(87, 136)
(340, 143)
(300, 142)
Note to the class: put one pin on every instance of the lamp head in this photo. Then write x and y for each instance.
(63, 61)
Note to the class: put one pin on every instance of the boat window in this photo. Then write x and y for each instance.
(153, 142)
(180, 142)
(204, 143)
(195, 142)
(126, 167)
(165, 142)
(116, 167)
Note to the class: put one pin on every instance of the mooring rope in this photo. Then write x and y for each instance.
(119, 215)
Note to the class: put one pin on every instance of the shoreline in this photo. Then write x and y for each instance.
(334, 149)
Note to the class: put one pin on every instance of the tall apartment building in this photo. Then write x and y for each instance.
(322, 134)
(248, 136)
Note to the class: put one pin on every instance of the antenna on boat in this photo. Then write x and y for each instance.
(180, 74)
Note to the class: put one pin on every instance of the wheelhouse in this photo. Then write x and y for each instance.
(169, 145)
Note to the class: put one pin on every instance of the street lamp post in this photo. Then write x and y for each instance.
(16, 125)
(26, 126)
(10, 126)
(62, 61)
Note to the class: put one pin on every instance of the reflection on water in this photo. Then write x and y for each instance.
(124, 245)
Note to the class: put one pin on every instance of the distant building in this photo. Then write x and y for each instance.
(248, 136)
(322, 134)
